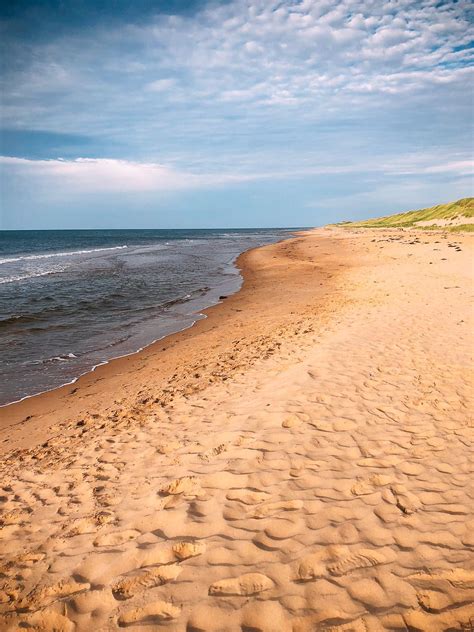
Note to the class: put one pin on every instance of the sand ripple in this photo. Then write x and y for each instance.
(325, 486)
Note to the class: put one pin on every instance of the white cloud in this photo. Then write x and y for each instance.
(251, 90)
(231, 47)
(93, 174)
(457, 167)
(253, 48)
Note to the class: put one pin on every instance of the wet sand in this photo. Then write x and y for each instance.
(299, 460)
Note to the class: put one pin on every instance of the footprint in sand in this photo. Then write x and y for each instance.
(117, 538)
(80, 526)
(10, 590)
(311, 567)
(42, 596)
(457, 578)
(445, 591)
(369, 593)
(108, 499)
(154, 612)
(188, 486)
(207, 456)
(129, 586)
(271, 509)
(248, 498)
(248, 584)
(367, 486)
(44, 621)
(433, 601)
(185, 550)
(460, 618)
(315, 565)
(24, 560)
(103, 517)
(407, 502)
(363, 558)
(282, 529)
(291, 422)
(15, 517)
(358, 625)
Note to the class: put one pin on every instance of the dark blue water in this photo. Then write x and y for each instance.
(70, 300)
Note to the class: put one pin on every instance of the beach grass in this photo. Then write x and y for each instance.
(453, 216)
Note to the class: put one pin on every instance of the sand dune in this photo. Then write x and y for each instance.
(299, 461)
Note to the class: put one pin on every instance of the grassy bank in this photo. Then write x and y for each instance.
(455, 217)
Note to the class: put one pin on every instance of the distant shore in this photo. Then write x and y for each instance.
(298, 460)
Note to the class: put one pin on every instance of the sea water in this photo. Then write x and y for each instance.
(71, 300)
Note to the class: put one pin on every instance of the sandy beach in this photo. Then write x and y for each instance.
(299, 460)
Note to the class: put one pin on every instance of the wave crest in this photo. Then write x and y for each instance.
(59, 254)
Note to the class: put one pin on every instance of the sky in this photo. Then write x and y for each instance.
(239, 113)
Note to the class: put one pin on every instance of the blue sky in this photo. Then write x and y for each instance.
(237, 113)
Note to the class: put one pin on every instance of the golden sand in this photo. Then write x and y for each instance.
(298, 461)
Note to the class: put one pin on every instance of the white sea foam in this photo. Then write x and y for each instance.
(61, 358)
(31, 275)
(59, 254)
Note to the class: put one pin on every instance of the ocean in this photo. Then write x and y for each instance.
(71, 300)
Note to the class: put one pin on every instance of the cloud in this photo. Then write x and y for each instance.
(283, 47)
(457, 167)
(92, 174)
(247, 91)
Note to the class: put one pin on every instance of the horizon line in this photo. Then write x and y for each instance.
(189, 228)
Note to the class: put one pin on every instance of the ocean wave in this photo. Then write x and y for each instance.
(21, 318)
(184, 299)
(63, 358)
(60, 358)
(59, 254)
(22, 277)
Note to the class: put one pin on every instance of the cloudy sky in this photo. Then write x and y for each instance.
(235, 113)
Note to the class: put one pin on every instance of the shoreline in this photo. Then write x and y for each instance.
(96, 366)
(195, 315)
(199, 315)
(41, 404)
(299, 459)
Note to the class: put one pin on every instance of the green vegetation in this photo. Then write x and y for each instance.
(462, 228)
(450, 217)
